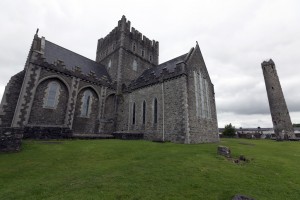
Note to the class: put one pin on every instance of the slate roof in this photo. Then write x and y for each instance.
(165, 70)
(54, 53)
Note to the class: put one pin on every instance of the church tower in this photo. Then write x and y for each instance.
(126, 53)
(280, 115)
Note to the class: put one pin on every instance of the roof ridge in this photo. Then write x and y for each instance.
(173, 59)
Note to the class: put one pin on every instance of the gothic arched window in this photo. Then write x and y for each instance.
(51, 99)
(155, 111)
(144, 112)
(86, 103)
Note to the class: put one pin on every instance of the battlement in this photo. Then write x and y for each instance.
(268, 63)
(139, 37)
(127, 37)
(125, 26)
(113, 35)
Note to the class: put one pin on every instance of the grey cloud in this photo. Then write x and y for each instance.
(234, 36)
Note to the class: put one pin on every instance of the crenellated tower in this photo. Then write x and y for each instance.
(126, 53)
(282, 124)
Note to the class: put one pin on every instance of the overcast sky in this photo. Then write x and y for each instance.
(234, 36)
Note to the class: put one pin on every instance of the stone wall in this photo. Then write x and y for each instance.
(46, 132)
(25, 100)
(202, 128)
(170, 119)
(10, 99)
(41, 115)
(128, 72)
(86, 124)
(111, 64)
(10, 139)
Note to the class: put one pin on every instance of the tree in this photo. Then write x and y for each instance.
(229, 130)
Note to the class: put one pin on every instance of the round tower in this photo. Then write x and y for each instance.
(282, 124)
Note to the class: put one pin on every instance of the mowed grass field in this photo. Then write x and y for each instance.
(116, 169)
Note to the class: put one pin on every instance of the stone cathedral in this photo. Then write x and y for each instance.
(125, 90)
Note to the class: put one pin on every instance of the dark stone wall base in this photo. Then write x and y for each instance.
(10, 139)
(128, 136)
(39, 132)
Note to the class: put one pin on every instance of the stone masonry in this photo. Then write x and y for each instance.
(125, 91)
(282, 124)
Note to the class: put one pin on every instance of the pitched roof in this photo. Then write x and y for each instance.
(165, 70)
(54, 53)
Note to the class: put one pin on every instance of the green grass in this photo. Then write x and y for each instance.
(115, 169)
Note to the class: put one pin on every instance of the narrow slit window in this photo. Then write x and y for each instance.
(144, 112)
(133, 113)
(155, 111)
(143, 53)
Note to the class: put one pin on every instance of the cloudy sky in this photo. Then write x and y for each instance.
(235, 37)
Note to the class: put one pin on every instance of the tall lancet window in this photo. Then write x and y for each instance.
(203, 109)
(144, 112)
(207, 99)
(155, 111)
(51, 99)
(86, 103)
(133, 113)
(202, 94)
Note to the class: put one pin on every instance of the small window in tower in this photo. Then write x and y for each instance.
(150, 58)
(133, 47)
(155, 111)
(143, 53)
(109, 64)
(272, 88)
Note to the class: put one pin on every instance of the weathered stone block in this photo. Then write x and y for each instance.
(224, 151)
(10, 139)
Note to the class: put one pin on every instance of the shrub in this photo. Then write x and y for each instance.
(229, 131)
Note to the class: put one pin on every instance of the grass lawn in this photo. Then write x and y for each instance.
(115, 169)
